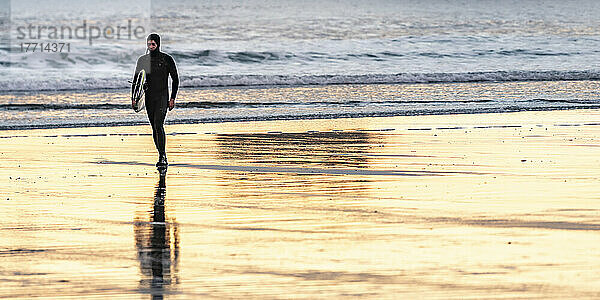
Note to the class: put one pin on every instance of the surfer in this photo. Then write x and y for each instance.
(158, 66)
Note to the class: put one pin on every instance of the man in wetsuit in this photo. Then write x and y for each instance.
(158, 66)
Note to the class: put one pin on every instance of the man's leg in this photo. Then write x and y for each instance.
(159, 130)
(151, 111)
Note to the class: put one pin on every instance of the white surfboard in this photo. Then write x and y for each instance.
(137, 91)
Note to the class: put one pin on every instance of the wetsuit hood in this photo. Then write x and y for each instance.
(154, 37)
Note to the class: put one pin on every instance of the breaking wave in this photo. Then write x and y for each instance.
(119, 82)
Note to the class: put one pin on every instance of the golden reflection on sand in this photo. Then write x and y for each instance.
(498, 205)
(157, 241)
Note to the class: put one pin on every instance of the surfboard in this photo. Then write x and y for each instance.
(137, 91)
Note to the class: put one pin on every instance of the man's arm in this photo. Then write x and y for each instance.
(175, 83)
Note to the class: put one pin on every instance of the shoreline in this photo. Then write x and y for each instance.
(287, 118)
(201, 106)
(402, 119)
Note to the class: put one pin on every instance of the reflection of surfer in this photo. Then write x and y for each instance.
(157, 244)
(158, 66)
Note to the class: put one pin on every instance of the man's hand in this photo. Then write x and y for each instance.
(171, 104)
(132, 103)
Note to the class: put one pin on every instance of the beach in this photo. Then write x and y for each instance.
(436, 206)
(318, 150)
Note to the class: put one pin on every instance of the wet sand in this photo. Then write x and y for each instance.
(454, 206)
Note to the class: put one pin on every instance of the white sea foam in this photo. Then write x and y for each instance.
(120, 80)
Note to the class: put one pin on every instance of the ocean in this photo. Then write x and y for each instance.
(265, 60)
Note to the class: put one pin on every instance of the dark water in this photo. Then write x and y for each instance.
(24, 110)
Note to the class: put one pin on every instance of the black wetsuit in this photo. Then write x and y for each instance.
(158, 67)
